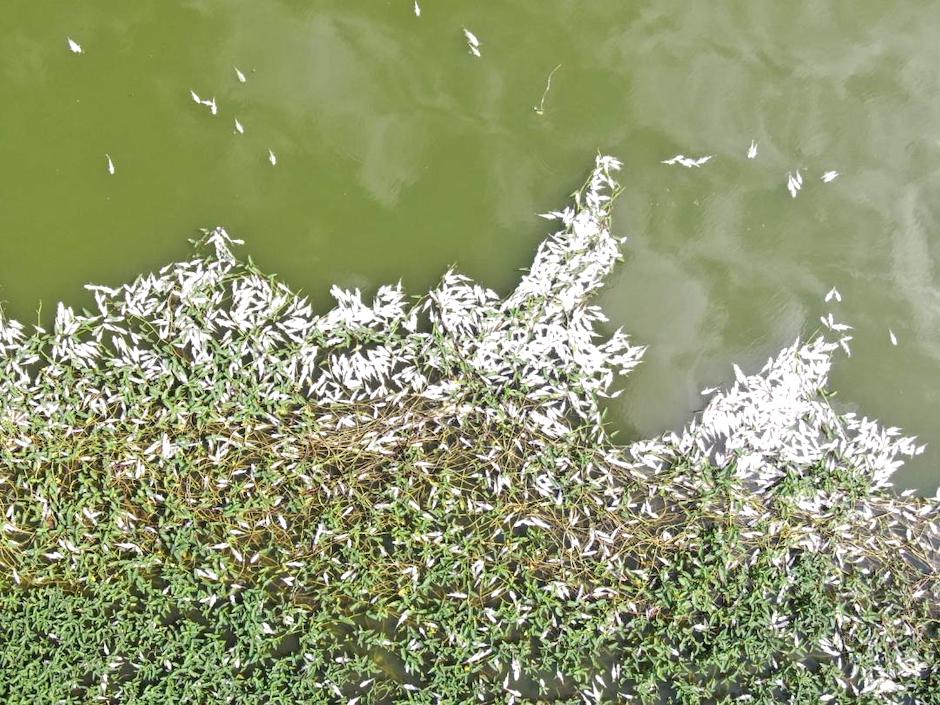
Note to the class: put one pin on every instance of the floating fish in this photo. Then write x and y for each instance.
(238, 127)
(752, 150)
(831, 324)
(110, 164)
(211, 104)
(471, 37)
(687, 162)
(74, 46)
(833, 294)
(272, 157)
(472, 42)
(829, 176)
(417, 9)
(892, 337)
(794, 183)
(844, 342)
(239, 75)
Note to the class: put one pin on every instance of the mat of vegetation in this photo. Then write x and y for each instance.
(209, 494)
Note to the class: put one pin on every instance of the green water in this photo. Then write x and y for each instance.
(400, 154)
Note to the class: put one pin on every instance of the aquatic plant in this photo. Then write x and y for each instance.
(208, 493)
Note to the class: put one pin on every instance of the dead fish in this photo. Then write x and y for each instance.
(794, 183)
(472, 42)
(687, 162)
(211, 104)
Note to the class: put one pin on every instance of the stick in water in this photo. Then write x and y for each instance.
(540, 108)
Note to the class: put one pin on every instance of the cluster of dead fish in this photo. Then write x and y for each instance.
(209, 103)
(232, 333)
(794, 178)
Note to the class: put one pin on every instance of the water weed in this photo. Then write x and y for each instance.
(210, 494)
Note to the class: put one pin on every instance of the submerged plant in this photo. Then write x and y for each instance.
(210, 494)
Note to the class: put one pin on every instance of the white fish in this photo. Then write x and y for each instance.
(471, 38)
(238, 127)
(687, 162)
(74, 46)
(829, 176)
(110, 164)
(833, 294)
(239, 75)
(272, 158)
(791, 185)
(831, 324)
(472, 42)
(479, 655)
(794, 184)
(417, 9)
(752, 150)
(844, 342)
(211, 104)
(893, 337)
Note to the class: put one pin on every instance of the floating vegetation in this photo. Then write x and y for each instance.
(208, 493)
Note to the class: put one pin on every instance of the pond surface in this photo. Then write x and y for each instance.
(399, 153)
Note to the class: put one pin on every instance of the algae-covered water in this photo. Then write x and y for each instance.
(399, 153)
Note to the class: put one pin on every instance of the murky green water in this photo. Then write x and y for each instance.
(399, 154)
